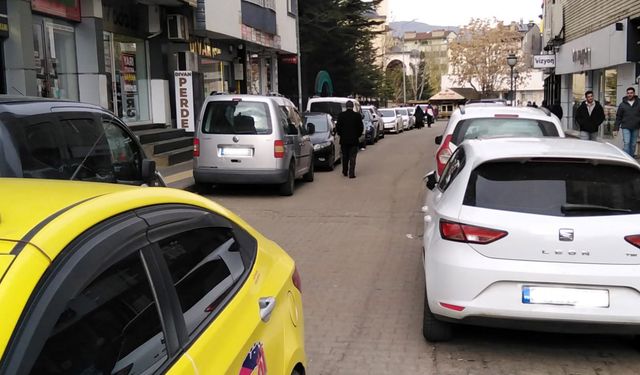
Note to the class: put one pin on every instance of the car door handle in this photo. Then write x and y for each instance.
(267, 304)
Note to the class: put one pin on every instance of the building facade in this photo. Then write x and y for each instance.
(596, 48)
(122, 54)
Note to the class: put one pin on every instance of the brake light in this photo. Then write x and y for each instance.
(452, 231)
(506, 116)
(634, 240)
(297, 281)
(196, 147)
(451, 307)
(443, 154)
(278, 149)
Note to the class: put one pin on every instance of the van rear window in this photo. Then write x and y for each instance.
(332, 108)
(236, 117)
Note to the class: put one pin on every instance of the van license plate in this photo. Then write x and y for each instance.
(236, 151)
(565, 296)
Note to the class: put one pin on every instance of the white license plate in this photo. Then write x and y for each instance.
(236, 151)
(565, 296)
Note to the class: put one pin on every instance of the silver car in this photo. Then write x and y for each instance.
(252, 139)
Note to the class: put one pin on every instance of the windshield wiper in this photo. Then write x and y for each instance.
(591, 207)
(93, 147)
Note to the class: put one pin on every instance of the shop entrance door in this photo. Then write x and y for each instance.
(55, 59)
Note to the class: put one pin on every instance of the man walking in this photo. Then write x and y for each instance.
(589, 116)
(628, 118)
(349, 127)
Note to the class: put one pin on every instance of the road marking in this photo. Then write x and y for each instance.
(178, 176)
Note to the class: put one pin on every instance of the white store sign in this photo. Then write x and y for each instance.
(184, 100)
(544, 61)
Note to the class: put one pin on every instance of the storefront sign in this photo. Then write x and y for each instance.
(204, 48)
(122, 17)
(184, 100)
(289, 59)
(544, 61)
(128, 69)
(69, 9)
(4, 20)
(582, 56)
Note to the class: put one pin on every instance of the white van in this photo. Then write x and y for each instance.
(334, 106)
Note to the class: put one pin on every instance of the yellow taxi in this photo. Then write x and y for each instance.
(111, 279)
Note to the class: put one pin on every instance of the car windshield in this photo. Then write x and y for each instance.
(499, 127)
(556, 188)
(367, 115)
(388, 113)
(403, 112)
(332, 108)
(236, 117)
(319, 121)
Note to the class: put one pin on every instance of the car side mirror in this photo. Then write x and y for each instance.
(148, 170)
(311, 128)
(431, 180)
(438, 139)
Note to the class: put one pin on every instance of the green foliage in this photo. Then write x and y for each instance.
(336, 36)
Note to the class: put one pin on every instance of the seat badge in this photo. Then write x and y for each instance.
(236, 139)
(566, 234)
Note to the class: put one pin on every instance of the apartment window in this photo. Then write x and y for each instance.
(292, 7)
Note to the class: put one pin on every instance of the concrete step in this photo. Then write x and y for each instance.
(172, 144)
(158, 134)
(173, 157)
(136, 127)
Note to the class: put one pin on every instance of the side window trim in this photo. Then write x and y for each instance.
(57, 288)
(449, 174)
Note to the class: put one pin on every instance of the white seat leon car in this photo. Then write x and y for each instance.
(533, 233)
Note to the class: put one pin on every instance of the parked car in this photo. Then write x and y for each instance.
(377, 119)
(493, 120)
(533, 233)
(105, 278)
(412, 119)
(326, 142)
(334, 106)
(371, 128)
(405, 117)
(66, 140)
(392, 120)
(252, 139)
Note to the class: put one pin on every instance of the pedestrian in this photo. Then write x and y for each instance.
(534, 105)
(556, 109)
(589, 116)
(349, 127)
(628, 119)
(419, 115)
(430, 117)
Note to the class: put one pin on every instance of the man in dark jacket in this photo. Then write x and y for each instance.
(589, 116)
(349, 127)
(628, 118)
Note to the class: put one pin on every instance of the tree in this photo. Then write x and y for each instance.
(479, 56)
(336, 36)
(421, 87)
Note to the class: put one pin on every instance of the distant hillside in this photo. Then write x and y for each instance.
(420, 27)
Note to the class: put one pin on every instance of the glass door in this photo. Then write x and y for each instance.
(55, 59)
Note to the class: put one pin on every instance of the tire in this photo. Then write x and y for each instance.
(287, 187)
(433, 329)
(331, 160)
(308, 177)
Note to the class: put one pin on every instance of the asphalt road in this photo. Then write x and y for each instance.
(357, 245)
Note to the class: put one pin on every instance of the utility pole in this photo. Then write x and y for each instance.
(299, 59)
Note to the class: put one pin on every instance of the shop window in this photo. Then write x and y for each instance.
(610, 102)
(579, 84)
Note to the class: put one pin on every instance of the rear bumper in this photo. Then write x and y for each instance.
(244, 176)
(490, 290)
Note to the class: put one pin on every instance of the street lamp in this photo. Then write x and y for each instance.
(512, 60)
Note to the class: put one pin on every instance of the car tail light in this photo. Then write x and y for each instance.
(451, 307)
(443, 154)
(634, 240)
(278, 149)
(297, 281)
(452, 231)
(506, 116)
(196, 147)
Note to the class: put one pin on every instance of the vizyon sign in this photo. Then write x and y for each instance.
(184, 100)
(544, 61)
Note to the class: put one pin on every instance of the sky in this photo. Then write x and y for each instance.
(459, 12)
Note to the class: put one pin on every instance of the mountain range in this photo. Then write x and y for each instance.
(400, 26)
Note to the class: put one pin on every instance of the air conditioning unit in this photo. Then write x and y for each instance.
(186, 61)
(153, 19)
(177, 27)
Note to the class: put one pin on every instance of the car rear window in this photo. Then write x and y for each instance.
(236, 117)
(555, 187)
(499, 127)
(388, 113)
(319, 121)
(332, 108)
